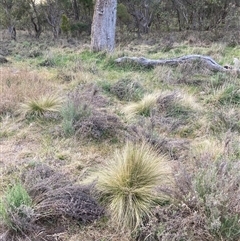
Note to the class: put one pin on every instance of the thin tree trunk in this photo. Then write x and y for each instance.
(103, 26)
(75, 9)
(13, 33)
(36, 20)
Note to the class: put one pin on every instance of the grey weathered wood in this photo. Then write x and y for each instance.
(103, 26)
(205, 60)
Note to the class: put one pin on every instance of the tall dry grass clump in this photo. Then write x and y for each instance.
(17, 85)
(127, 184)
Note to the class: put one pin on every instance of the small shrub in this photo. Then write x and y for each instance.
(71, 113)
(38, 107)
(83, 115)
(98, 125)
(126, 89)
(176, 113)
(223, 119)
(55, 196)
(65, 24)
(78, 28)
(123, 14)
(16, 209)
(68, 114)
(49, 62)
(205, 204)
(175, 148)
(127, 183)
(34, 53)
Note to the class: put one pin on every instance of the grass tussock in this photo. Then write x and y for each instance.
(142, 107)
(226, 94)
(127, 183)
(38, 107)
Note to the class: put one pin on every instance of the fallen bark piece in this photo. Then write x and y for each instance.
(207, 61)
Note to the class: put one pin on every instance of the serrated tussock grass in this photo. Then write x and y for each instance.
(41, 105)
(142, 107)
(127, 183)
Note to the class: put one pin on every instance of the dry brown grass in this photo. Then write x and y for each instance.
(96, 231)
(18, 84)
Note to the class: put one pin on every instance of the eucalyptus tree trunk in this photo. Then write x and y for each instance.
(35, 18)
(103, 26)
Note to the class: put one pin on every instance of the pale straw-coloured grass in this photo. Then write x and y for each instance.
(142, 107)
(127, 183)
(41, 105)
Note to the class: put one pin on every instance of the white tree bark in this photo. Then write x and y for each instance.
(103, 26)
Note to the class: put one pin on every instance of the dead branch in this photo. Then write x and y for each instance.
(206, 61)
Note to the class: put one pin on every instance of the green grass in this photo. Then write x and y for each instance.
(58, 59)
(15, 208)
(71, 112)
(227, 94)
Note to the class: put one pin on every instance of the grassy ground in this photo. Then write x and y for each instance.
(70, 109)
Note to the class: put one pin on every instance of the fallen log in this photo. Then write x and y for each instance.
(206, 61)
